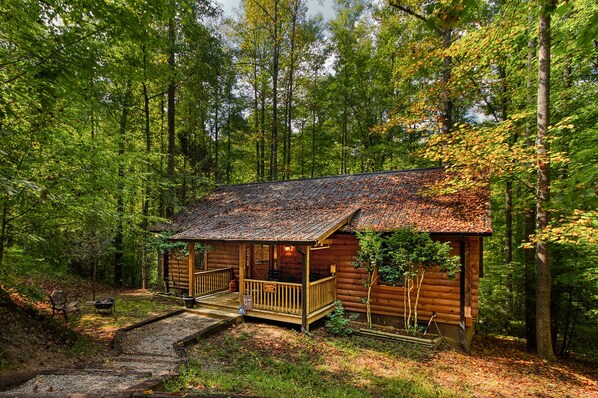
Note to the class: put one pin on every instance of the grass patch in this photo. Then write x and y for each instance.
(280, 362)
(129, 309)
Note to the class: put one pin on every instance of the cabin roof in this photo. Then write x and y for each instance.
(308, 210)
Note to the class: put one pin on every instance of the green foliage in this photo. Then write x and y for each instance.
(402, 257)
(371, 252)
(163, 244)
(410, 253)
(337, 323)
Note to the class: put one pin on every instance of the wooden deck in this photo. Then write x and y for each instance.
(229, 301)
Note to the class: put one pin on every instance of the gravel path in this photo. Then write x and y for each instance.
(148, 352)
(158, 338)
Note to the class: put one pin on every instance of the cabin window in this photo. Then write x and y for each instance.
(261, 254)
(265, 254)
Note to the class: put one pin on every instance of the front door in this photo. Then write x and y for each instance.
(263, 259)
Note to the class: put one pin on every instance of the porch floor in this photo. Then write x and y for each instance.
(225, 300)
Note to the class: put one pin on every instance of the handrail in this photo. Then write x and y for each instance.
(273, 282)
(213, 271)
(321, 293)
(216, 280)
(285, 297)
(328, 278)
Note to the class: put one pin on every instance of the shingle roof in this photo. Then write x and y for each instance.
(307, 210)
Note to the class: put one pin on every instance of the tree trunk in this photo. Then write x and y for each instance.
(543, 327)
(228, 142)
(313, 142)
(256, 120)
(530, 214)
(289, 117)
(263, 136)
(504, 113)
(274, 147)
(217, 140)
(530, 283)
(171, 111)
(120, 200)
(146, 198)
(3, 233)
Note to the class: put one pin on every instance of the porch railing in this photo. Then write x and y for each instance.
(284, 297)
(273, 296)
(321, 293)
(212, 281)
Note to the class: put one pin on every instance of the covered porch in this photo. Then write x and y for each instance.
(282, 262)
(271, 284)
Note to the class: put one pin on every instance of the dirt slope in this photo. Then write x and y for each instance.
(30, 340)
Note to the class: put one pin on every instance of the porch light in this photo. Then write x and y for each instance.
(332, 269)
(288, 248)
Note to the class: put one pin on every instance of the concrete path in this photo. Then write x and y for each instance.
(146, 355)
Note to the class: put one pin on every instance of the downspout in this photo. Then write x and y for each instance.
(303, 289)
(462, 296)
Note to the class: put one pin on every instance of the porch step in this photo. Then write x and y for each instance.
(217, 306)
(214, 311)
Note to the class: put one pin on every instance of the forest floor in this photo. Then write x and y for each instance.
(268, 360)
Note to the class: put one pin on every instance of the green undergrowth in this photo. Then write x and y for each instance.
(295, 365)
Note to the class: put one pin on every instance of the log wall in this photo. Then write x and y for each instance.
(178, 270)
(291, 262)
(223, 255)
(438, 293)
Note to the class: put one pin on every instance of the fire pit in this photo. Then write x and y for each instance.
(104, 305)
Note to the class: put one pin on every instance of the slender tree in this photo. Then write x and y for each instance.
(543, 285)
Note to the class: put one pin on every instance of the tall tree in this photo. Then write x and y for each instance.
(543, 285)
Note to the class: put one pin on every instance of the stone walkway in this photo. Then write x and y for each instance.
(148, 354)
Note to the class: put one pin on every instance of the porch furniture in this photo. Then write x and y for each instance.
(275, 275)
(60, 304)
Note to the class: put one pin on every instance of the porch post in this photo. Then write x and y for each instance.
(242, 266)
(191, 268)
(307, 271)
(305, 290)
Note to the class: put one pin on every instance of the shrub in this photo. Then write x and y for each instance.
(337, 323)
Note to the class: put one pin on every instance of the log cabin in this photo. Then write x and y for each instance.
(291, 246)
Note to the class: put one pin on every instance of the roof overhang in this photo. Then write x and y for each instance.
(298, 226)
